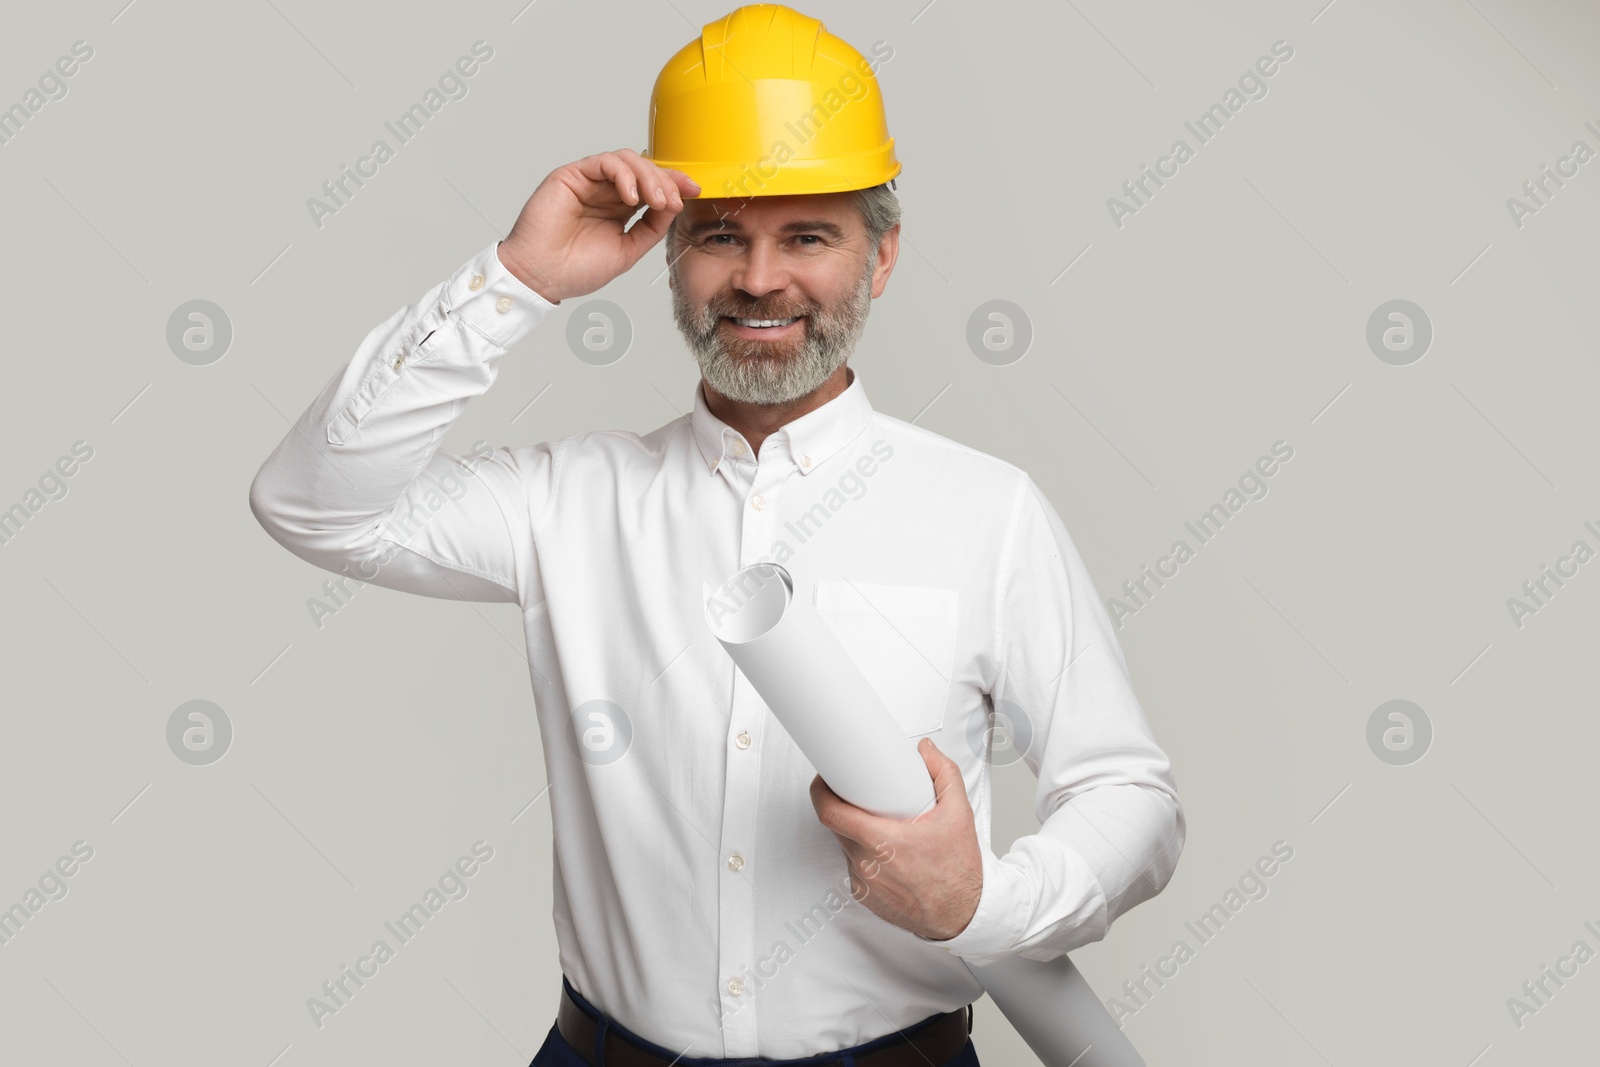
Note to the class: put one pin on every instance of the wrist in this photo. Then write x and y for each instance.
(534, 281)
(970, 910)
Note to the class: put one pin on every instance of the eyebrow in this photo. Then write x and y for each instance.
(727, 224)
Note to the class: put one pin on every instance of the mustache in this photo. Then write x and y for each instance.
(723, 307)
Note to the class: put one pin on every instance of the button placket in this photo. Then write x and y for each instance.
(736, 911)
(736, 917)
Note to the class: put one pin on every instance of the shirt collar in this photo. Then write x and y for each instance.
(809, 440)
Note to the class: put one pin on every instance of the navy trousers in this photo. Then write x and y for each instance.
(556, 1052)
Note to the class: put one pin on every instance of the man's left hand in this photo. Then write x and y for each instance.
(923, 874)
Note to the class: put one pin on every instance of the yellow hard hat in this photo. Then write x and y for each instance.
(767, 102)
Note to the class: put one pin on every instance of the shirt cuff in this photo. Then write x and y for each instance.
(1001, 917)
(492, 300)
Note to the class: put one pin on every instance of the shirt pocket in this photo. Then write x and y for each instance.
(903, 637)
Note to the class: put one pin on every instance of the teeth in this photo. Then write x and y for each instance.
(766, 322)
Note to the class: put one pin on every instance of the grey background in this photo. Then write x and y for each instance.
(1229, 313)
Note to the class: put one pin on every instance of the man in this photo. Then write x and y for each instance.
(715, 900)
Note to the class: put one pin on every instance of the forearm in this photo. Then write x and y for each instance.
(374, 428)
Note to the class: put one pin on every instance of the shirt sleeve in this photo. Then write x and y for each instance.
(1112, 825)
(359, 484)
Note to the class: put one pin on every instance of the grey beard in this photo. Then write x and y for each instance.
(737, 369)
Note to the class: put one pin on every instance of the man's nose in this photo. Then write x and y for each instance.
(761, 271)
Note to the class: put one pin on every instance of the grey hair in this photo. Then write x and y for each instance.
(880, 211)
(878, 207)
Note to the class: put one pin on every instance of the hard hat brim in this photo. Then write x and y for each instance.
(792, 177)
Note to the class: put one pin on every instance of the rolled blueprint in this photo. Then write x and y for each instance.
(819, 695)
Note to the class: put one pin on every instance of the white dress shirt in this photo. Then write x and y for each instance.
(697, 898)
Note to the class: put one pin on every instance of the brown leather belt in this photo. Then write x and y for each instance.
(937, 1042)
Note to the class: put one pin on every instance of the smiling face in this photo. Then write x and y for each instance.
(771, 293)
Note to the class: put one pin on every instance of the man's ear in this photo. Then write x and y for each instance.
(888, 253)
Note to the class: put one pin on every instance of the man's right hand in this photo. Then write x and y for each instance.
(569, 239)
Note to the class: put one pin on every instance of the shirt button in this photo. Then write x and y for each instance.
(738, 448)
(401, 358)
(735, 862)
(503, 305)
(758, 501)
(476, 283)
(805, 461)
(735, 986)
(743, 740)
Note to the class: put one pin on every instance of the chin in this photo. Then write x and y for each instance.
(757, 350)
(746, 350)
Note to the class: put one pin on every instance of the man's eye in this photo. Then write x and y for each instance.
(725, 240)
